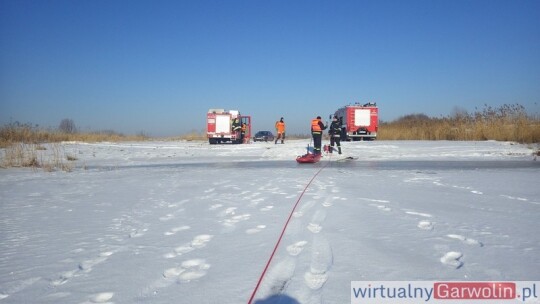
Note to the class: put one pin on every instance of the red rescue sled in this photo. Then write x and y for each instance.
(308, 158)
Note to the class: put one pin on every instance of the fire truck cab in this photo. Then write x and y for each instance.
(359, 121)
(221, 127)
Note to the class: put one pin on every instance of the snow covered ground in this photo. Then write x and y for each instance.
(187, 222)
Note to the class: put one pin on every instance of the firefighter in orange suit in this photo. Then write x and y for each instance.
(280, 130)
(317, 127)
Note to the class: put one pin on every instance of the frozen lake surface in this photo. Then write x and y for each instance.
(187, 222)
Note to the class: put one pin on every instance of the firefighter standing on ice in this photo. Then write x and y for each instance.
(335, 134)
(280, 130)
(317, 126)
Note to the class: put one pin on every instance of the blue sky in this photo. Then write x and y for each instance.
(158, 66)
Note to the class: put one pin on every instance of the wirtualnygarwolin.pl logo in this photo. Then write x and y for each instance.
(450, 292)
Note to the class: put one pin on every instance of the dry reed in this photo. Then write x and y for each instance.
(506, 123)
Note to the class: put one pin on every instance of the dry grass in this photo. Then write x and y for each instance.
(51, 158)
(193, 135)
(507, 123)
(24, 146)
(26, 133)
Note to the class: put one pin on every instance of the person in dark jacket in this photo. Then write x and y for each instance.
(236, 125)
(335, 134)
(317, 127)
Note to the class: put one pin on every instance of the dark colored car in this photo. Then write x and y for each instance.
(263, 136)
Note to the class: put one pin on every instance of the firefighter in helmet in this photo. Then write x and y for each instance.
(236, 126)
(335, 134)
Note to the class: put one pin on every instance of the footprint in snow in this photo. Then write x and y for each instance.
(266, 208)
(315, 281)
(256, 229)
(296, 248)
(167, 217)
(84, 266)
(314, 228)
(215, 206)
(382, 207)
(452, 259)
(87, 266)
(176, 230)
(198, 242)
(256, 202)
(321, 261)
(419, 214)
(465, 240)
(278, 277)
(178, 251)
(232, 221)
(316, 221)
(64, 277)
(303, 209)
(194, 269)
(137, 233)
(102, 297)
(329, 201)
(425, 225)
(187, 271)
(321, 255)
(229, 211)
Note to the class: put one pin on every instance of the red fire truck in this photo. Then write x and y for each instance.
(219, 127)
(360, 121)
